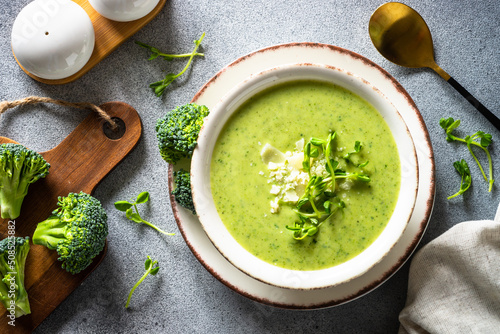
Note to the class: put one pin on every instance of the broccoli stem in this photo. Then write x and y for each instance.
(22, 302)
(49, 232)
(13, 294)
(14, 190)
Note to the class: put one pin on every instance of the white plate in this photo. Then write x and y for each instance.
(218, 266)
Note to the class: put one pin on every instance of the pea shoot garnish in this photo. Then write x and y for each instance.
(479, 139)
(151, 268)
(159, 86)
(320, 201)
(132, 212)
(462, 169)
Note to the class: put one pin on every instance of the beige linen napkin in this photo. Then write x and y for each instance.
(454, 282)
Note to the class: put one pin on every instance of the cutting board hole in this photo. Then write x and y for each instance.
(116, 133)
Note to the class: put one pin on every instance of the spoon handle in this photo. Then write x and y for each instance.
(478, 105)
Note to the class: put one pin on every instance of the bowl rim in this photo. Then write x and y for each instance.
(227, 246)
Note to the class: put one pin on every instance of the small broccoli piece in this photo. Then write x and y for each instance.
(19, 167)
(182, 191)
(13, 294)
(77, 229)
(178, 131)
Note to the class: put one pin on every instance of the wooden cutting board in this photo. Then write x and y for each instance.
(108, 36)
(78, 163)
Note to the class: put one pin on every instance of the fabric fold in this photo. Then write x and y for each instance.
(454, 282)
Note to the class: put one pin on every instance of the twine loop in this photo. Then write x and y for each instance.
(5, 105)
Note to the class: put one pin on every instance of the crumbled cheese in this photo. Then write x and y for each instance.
(318, 167)
(290, 196)
(285, 173)
(270, 154)
(275, 190)
(346, 185)
(275, 207)
(299, 146)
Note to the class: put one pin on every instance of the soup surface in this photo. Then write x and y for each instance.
(281, 116)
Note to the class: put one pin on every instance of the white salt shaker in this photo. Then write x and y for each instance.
(52, 39)
(123, 10)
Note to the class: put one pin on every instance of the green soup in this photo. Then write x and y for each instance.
(281, 116)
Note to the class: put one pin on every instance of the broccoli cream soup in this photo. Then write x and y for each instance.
(257, 175)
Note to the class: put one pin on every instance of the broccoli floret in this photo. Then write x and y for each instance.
(19, 167)
(77, 229)
(182, 191)
(13, 294)
(178, 131)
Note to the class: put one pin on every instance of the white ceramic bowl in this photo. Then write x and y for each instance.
(52, 39)
(123, 10)
(244, 260)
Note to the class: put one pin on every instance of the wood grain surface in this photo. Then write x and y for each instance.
(108, 36)
(78, 163)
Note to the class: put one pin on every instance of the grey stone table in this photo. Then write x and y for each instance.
(184, 297)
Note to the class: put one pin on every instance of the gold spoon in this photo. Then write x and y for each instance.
(401, 35)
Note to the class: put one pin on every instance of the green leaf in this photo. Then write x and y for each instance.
(334, 165)
(341, 204)
(154, 271)
(123, 205)
(147, 264)
(329, 194)
(317, 142)
(363, 177)
(135, 217)
(449, 124)
(363, 164)
(142, 197)
(485, 138)
(463, 169)
(302, 201)
(312, 231)
(357, 146)
(307, 150)
(306, 165)
(327, 205)
(340, 172)
(314, 153)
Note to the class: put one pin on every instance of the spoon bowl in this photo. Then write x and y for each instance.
(401, 35)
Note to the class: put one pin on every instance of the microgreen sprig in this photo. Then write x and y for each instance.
(129, 208)
(319, 201)
(463, 169)
(357, 149)
(160, 86)
(479, 139)
(152, 268)
(155, 53)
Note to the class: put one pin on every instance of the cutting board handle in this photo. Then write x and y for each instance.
(79, 163)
